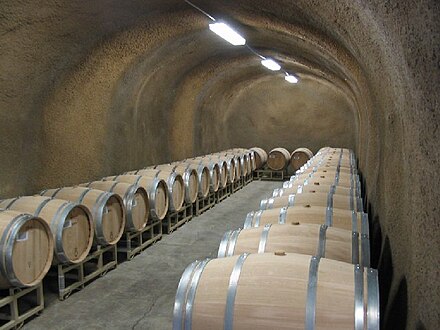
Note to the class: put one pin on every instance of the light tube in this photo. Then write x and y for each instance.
(224, 31)
(271, 64)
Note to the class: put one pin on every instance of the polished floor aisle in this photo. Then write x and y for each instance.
(139, 294)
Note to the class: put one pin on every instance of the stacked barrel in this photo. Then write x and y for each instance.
(279, 159)
(301, 261)
(63, 225)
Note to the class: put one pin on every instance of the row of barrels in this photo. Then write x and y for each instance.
(279, 159)
(300, 262)
(60, 226)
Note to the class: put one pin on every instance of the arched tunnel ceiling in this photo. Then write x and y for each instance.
(93, 88)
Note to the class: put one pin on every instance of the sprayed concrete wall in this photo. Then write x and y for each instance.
(93, 88)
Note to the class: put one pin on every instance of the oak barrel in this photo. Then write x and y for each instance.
(214, 171)
(329, 200)
(278, 159)
(71, 224)
(352, 182)
(319, 240)
(293, 188)
(156, 188)
(26, 249)
(175, 185)
(276, 291)
(190, 179)
(260, 157)
(135, 200)
(344, 219)
(299, 157)
(107, 210)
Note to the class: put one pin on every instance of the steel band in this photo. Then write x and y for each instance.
(224, 244)
(311, 294)
(364, 224)
(360, 206)
(248, 221)
(355, 248)
(258, 218)
(352, 203)
(232, 291)
(61, 214)
(263, 238)
(270, 203)
(322, 240)
(299, 190)
(373, 300)
(291, 200)
(283, 215)
(12, 202)
(192, 293)
(330, 200)
(276, 192)
(358, 298)
(365, 244)
(83, 194)
(354, 221)
(232, 242)
(263, 204)
(6, 238)
(329, 217)
(55, 192)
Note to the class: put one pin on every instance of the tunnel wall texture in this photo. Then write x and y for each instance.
(93, 88)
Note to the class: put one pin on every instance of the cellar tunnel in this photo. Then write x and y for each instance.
(95, 88)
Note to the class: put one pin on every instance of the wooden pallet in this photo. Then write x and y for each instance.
(248, 179)
(74, 277)
(203, 204)
(131, 244)
(237, 185)
(223, 193)
(269, 175)
(176, 219)
(18, 305)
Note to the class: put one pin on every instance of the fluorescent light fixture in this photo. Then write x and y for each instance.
(224, 31)
(291, 79)
(271, 64)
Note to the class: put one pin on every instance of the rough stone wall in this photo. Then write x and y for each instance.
(93, 88)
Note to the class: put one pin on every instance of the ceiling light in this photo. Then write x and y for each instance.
(291, 79)
(224, 31)
(271, 64)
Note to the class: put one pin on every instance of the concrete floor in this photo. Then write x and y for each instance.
(139, 294)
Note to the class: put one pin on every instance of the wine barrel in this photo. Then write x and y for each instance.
(300, 188)
(175, 185)
(330, 169)
(352, 182)
(242, 161)
(260, 157)
(329, 200)
(278, 159)
(319, 240)
(214, 171)
(107, 210)
(26, 249)
(276, 291)
(230, 166)
(190, 179)
(135, 200)
(344, 219)
(299, 157)
(71, 224)
(223, 167)
(156, 188)
(203, 176)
